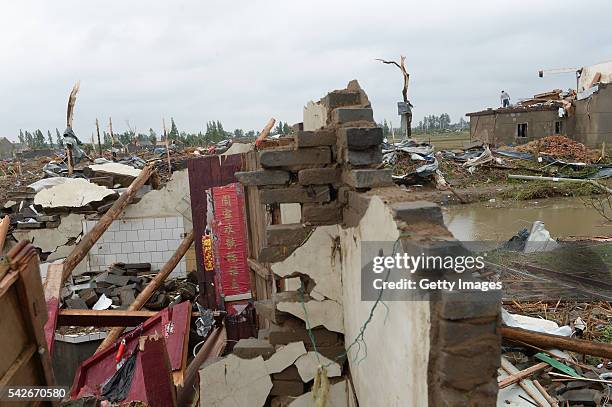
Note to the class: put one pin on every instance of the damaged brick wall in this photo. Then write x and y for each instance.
(334, 173)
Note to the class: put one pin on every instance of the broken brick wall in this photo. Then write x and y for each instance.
(334, 174)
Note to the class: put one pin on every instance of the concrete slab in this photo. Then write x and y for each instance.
(326, 313)
(74, 193)
(116, 169)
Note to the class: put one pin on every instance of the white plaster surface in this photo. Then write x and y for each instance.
(171, 200)
(324, 267)
(116, 168)
(308, 364)
(235, 382)
(284, 357)
(315, 116)
(73, 193)
(49, 239)
(394, 372)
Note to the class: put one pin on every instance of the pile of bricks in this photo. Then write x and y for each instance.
(121, 283)
(320, 167)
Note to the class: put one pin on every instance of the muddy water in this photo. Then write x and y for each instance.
(563, 217)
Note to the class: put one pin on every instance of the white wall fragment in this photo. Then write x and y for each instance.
(74, 193)
(284, 357)
(235, 382)
(307, 366)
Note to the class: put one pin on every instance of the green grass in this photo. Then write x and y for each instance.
(444, 140)
(526, 190)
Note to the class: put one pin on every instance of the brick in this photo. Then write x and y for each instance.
(267, 309)
(417, 211)
(341, 98)
(289, 234)
(76, 303)
(89, 296)
(359, 138)
(466, 373)
(367, 178)
(352, 114)
(319, 176)
(364, 157)
(287, 388)
(295, 331)
(116, 280)
(252, 347)
(456, 332)
(313, 214)
(292, 158)
(458, 305)
(127, 296)
(317, 193)
(274, 254)
(315, 138)
(265, 177)
(290, 373)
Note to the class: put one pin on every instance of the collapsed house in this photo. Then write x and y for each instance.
(585, 114)
(240, 282)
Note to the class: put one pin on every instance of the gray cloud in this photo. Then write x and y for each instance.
(241, 62)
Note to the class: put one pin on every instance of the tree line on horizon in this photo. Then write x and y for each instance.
(214, 133)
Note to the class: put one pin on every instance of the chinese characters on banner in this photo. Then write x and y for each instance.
(231, 245)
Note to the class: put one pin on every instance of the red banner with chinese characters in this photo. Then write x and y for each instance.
(231, 241)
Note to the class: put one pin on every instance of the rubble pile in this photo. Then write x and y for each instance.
(120, 284)
(559, 147)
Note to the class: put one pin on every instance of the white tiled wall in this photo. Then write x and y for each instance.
(150, 240)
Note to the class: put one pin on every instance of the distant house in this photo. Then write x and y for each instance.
(585, 116)
(7, 149)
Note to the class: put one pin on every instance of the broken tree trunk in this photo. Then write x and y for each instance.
(547, 341)
(148, 291)
(87, 242)
(98, 131)
(265, 132)
(167, 147)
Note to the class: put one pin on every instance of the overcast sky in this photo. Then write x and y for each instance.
(242, 62)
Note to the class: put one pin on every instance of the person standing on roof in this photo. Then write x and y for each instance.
(505, 99)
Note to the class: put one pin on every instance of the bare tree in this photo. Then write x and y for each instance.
(402, 67)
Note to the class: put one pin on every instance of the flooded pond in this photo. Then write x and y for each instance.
(563, 217)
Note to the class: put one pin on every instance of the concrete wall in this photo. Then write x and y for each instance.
(394, 372)
(590, 123)
(502, 128)
(594, 118)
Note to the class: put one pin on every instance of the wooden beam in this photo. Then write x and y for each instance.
(153, 285)
(259, 269)
(4, 225)
(105, 318)
(547, 341)
(518, 376)
(87, 242)
(265, 132)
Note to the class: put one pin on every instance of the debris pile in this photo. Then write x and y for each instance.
(559, 147)
(119, 286)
